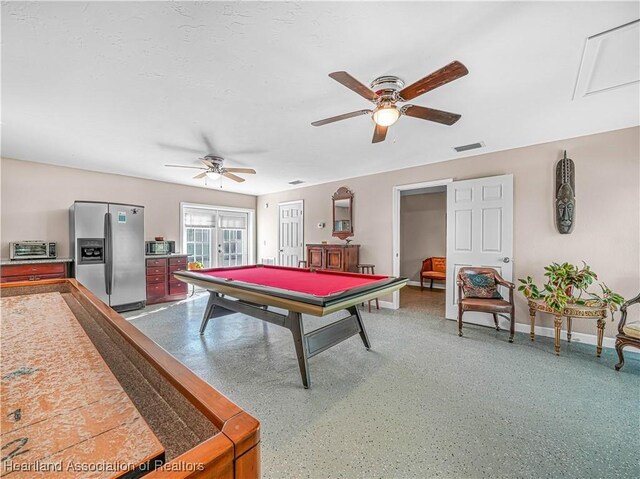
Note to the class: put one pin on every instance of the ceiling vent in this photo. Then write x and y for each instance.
(471, 146)
(296, 182)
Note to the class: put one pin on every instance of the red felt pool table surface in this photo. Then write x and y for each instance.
(300, 280)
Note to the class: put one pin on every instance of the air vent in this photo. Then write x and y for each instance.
(296, 182)
(471, 146)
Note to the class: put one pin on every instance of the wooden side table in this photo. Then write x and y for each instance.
(569, 312)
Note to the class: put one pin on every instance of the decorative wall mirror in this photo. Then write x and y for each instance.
(343, 213)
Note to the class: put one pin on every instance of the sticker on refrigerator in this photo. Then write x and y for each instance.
(122, 216)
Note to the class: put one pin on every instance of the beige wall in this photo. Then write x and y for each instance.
(423, 231)
(36, 200)
(607, 211)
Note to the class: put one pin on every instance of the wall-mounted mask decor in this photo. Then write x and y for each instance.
(565, 195)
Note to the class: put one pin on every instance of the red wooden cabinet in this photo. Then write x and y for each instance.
(161, 285)
(33, 272)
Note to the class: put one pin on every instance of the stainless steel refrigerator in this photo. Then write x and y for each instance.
(107, 246)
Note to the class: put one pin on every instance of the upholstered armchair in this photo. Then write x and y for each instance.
(433, 268)
(493, 305)
(628, 333)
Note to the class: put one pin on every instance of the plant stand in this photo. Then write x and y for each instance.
(569, 312)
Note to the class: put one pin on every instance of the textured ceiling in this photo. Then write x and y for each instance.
(126, 87)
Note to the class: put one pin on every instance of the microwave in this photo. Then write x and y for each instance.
(160, 247)
(32, 250)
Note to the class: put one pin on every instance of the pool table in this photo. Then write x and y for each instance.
(297, 290)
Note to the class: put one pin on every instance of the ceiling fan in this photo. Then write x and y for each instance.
(214, 169)
(386, 91)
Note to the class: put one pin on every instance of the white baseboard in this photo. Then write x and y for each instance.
(547, 332)
(543, 331)
(426, 284)
(575, 337)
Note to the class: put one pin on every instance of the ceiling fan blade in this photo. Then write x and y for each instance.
(200, 175)
(248, 151)
(180, 148)
(446, 74)
(207, 163)
(207, 142)
(184, 166)
(353, 84)
(379, 134)
(233, 177)
(248, 171)
(439, 116)
(341, 117)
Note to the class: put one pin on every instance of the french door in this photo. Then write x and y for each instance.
(232, 239)
(216, 237)
(479, 233)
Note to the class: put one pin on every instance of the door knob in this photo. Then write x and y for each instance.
(505, 259)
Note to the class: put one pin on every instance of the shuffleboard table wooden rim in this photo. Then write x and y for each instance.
(237, 446)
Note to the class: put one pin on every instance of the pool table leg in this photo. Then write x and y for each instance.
(208, 311)
(363, 332)
(294, 324)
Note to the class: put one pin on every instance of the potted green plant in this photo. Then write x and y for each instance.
(566, 284)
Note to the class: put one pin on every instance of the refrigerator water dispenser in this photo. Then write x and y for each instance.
(91, 250)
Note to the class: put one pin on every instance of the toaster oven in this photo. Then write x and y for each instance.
(32, 250)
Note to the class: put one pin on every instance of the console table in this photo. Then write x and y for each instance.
(335, 257)
(569, 312)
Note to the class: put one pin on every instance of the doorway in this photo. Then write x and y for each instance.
(290, 233)
(479, 231)
(217, 236)
(407, 258)
(423, 235)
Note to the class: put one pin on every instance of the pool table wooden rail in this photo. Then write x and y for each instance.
(232, 448)
(298, 302)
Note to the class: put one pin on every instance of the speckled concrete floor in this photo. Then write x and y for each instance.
(422, 403)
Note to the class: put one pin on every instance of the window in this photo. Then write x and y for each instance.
(199, 245)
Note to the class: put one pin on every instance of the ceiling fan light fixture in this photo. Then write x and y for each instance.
(386, 115)
(212, 175)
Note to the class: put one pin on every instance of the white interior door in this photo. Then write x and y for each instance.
(479, 233)
(290, 227)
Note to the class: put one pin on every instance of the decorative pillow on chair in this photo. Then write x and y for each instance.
(480, 285)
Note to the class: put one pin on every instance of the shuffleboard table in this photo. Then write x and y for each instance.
(86, 394)
(298, 291)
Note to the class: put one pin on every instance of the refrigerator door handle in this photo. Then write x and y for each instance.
(108, 254)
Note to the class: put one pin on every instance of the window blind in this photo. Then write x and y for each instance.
(199, 218)
(238, 221)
